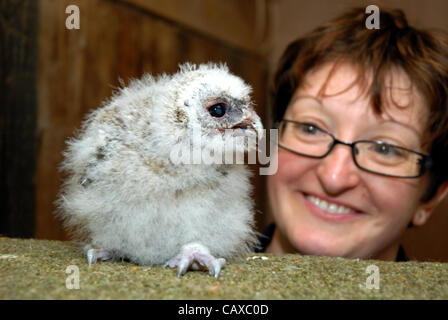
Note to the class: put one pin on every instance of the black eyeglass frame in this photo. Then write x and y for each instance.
(425, 161)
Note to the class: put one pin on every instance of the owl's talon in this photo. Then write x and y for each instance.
(194, 256)
(94, 254)
(217, 265)
(183, 267)
(91, 257)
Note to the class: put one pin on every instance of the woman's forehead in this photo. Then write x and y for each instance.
(402, 102)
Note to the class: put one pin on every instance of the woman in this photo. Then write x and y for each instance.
(363, 132)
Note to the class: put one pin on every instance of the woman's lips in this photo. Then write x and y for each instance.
(330, 210)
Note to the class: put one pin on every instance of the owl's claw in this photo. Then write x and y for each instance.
(94, 254)
(196, 257)
(217, 265)
(184, 264)
(91, 256)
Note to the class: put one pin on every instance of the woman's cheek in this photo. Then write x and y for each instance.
(394, 199)
(282, 188)
(292, 167)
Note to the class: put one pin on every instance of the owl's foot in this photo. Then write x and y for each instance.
(94, 254)
(196, 257)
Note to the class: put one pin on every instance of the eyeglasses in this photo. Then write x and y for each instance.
(377, 157)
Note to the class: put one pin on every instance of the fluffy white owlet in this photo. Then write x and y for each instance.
(126, 196)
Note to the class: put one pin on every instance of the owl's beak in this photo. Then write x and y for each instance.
(251, 121)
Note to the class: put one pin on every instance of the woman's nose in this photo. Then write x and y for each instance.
(337, 172)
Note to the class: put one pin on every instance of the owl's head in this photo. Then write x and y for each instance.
(215, 103)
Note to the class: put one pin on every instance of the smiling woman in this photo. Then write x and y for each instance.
(363, 121)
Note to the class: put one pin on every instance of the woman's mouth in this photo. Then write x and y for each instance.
(329, 210)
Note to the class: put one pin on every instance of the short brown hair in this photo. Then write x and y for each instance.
(422, 54)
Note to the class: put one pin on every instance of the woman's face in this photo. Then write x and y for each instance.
(379, 208)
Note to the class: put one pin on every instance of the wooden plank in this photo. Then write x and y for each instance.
(59, 100)
(18, 62)
(243, 24)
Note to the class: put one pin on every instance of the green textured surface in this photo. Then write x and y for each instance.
(36, 269)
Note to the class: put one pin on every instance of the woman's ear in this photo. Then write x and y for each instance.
(425, 210)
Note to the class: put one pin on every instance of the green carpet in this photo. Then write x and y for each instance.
(36, 269)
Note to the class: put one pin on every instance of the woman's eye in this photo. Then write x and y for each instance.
(218, 110)
(387, 150)
(309, 129)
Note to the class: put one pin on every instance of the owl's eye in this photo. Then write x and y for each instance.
(218, 110)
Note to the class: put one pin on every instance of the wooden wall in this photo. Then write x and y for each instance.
(18, 69)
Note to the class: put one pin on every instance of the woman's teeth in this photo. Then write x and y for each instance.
(330, 207)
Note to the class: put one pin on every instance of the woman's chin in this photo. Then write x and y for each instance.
(312, 243)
